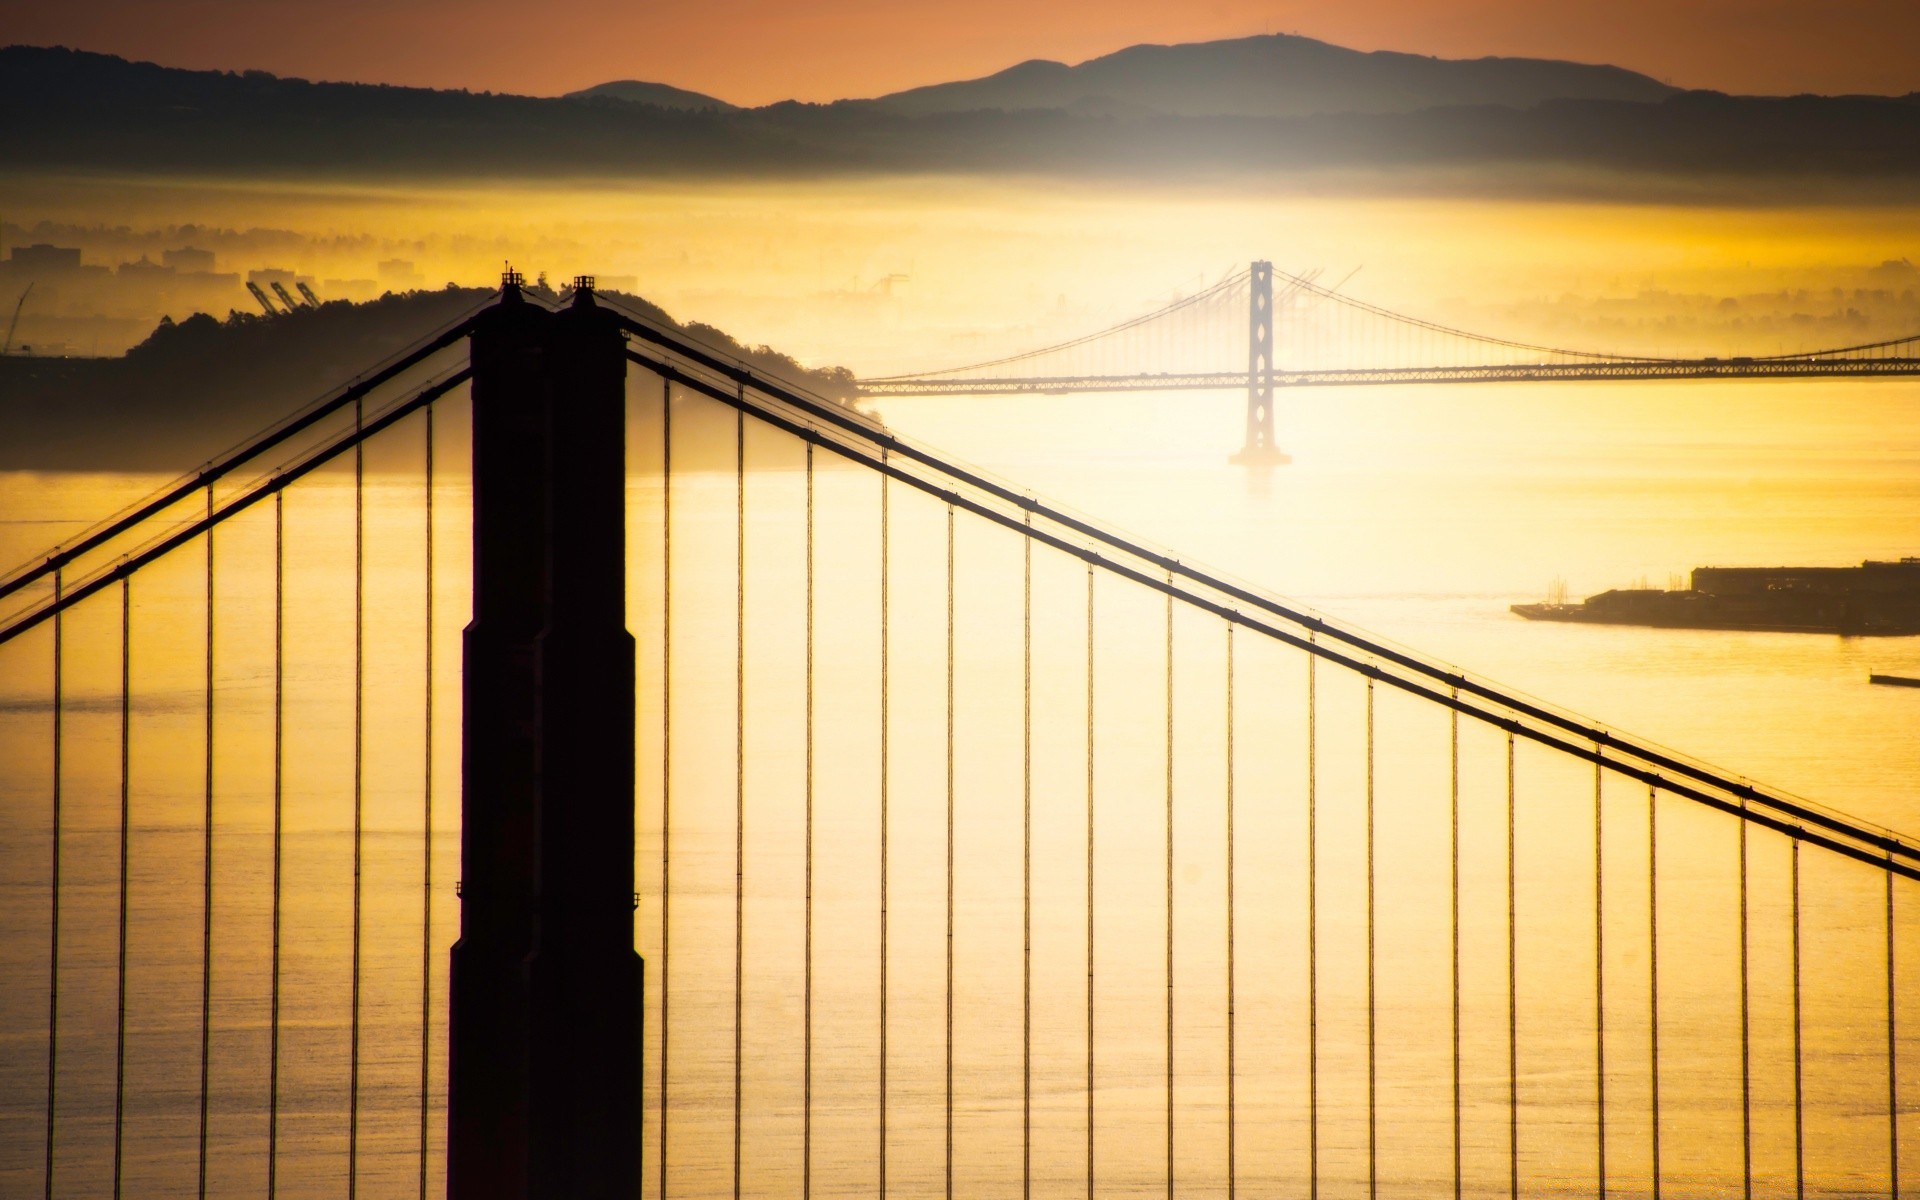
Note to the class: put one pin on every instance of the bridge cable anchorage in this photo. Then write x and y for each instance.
(426, 815)
(58, 713)
(217, 469)
(279, 827)
(806, 1069)
(666, 753)
(126, 803)
(1090, 881)
(823, 414)
(206, 869)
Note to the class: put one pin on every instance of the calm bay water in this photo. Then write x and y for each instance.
(1419, 514)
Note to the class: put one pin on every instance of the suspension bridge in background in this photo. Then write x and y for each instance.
(1293, 331)
(971, 846)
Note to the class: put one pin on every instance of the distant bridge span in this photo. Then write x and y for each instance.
(1707, 368)
(1303, 334)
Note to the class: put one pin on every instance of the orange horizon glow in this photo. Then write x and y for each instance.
(757, 51)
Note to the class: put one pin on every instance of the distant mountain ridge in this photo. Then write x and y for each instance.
(660, 95)
(1279, 75)
(80, 111)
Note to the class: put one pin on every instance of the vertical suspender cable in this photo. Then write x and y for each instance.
(53, 938)
(359, 790)
(1169, 965)
(1090, 1180)
(206, 870)
(1313, 929)
(1513, 994)
(126, 796)
(1026, 861)
(1373, 1066)
(426, 824)
(885, 770)
(279, 804)
(1653, 970)
(739, 758)
(1599, 986)
(806, 1066)
(1746, 1030)
(1453, 900)
(950, 748)
(1232, 1047)
(1893, 1063)
(666, 753)
(1799, 1110)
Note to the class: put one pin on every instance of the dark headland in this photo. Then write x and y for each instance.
(1872, 599)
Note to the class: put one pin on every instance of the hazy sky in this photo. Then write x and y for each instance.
(755, 51)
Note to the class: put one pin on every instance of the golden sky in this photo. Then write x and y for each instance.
(757, 51)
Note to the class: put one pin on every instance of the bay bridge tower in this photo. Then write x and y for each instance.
(1259, 449)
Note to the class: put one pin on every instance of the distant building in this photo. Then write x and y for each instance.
(399, 275)
(145, 268)
(43, 257)
(189, 259)
(266, 277)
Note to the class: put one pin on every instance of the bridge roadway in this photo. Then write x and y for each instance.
(1704, 368)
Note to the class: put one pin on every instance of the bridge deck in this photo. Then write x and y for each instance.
(1706, 368)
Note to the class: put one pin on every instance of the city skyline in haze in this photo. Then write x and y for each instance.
(755, 52)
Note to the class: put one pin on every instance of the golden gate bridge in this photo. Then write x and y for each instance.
(971, 845)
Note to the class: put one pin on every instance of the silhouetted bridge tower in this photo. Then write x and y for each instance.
(935, 802)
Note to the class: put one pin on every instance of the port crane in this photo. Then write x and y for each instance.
(280, 290)
(14, 325)
(262, 298)
(306, 293)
